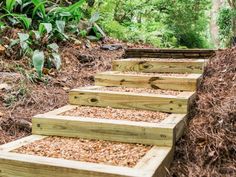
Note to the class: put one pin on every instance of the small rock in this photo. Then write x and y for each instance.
(85, 58)
(1, 114)
(66, 88)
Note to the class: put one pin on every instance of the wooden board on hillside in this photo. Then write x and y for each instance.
(164, 133)
(154, 102)
(168, 53)
(116, 78)
(158, 66)
(154, 163)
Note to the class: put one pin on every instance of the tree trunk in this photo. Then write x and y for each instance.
(214, 29)
(232, 4)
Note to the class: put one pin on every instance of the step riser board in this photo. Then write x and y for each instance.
(139, 65)
(168, 53)
(13, 164)
(113, 78)
(164, 133)
(163, 103)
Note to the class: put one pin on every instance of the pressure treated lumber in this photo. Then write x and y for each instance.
(153, 102)
(116, 78)
(158, 66)
(165, 133)
(13, 164)
(168, 53)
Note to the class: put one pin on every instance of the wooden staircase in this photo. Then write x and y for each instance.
(161, 71)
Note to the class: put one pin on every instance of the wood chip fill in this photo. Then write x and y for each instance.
(95, 151)
(141, 90)
(117, 114)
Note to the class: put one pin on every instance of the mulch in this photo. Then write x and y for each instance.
(95, 151)
(209, 145)
(79, 64)
(117, 114)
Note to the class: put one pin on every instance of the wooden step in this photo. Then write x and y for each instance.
(12, 164)
(163, 133)
(95, 96)
(168, 53)
(159, 65)
(158, 81)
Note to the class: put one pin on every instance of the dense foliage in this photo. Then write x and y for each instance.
(157, 22)
(41, 24)
(227, 23)
(174, 23)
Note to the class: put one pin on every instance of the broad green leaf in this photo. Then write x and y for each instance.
(45, 27)
(56, 60)
(75, 6)
(38, 61)
(39, 6)
(24, 46)
(35, 33)
(23, 37)
(10, 5)
(14, 42)
(24, 20)
(2, 25)
(61, 26)
(54, 47)
(65, 14)
(19, 2)
(95, 17)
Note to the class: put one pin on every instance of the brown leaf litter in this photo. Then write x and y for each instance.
(209, 145)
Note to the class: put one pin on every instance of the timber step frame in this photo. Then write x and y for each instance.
(117, 78)
(95, 96)
(12, 164)
(168, 53)
(164, 133)
(156, 65)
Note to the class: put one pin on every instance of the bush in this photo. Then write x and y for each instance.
(225, 25)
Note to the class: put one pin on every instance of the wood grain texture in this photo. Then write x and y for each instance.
(162, 133)
(21, 142)
(167, 50)
(113, 78)
(168, 53)
(139, 65)
(21, 165)
(178, 122)
(157, 158)
(162, 103)
(104, 129)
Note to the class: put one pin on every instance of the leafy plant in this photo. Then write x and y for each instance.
(43, 28)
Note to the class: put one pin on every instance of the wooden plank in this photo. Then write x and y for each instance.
(154, 102)
(21, 165)
(159, 66)
(178, 122)
(170, 50)
(61, 110)
(104, 129)
(112, 78)
(157, 158)
(169, 53)
(21, 142)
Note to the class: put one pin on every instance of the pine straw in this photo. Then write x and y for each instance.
(209, 145)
